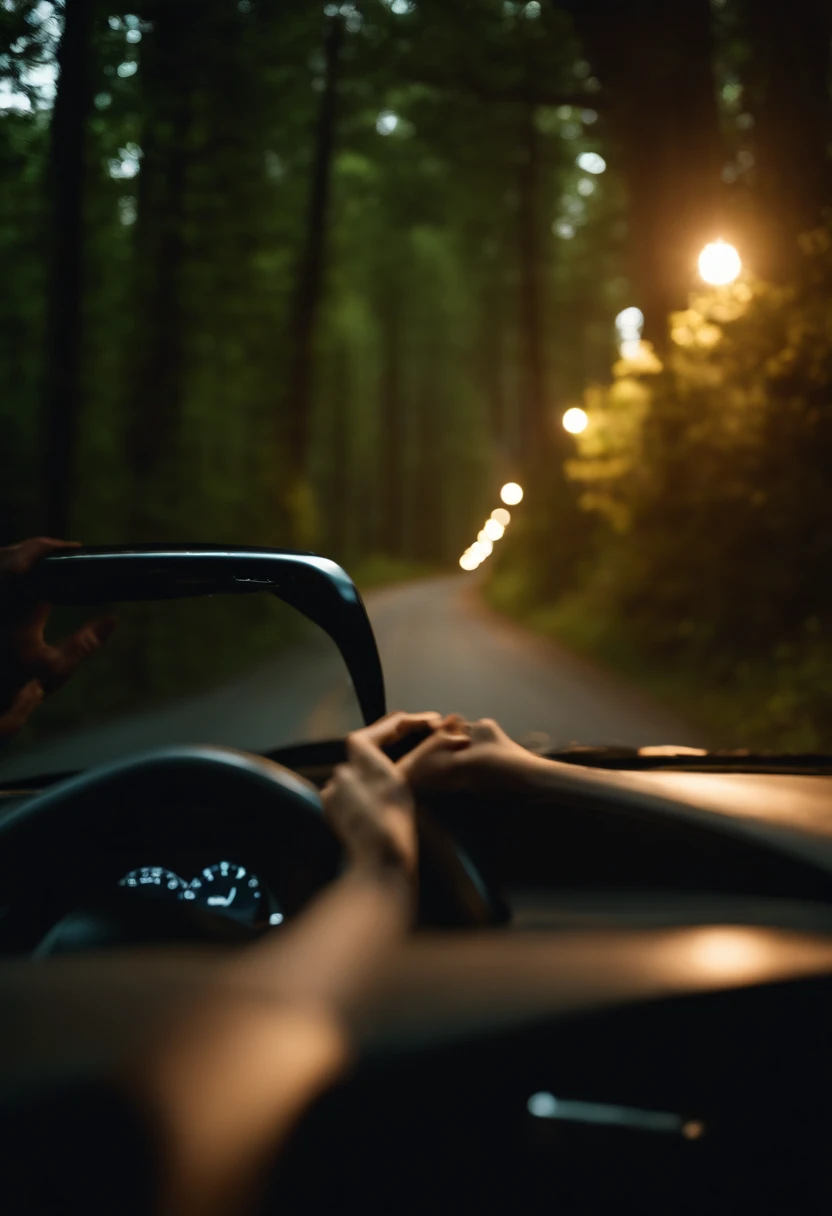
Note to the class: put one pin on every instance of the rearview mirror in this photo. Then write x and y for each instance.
(316, 586)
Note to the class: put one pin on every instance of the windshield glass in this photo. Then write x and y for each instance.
(518, 311)
(241, 671)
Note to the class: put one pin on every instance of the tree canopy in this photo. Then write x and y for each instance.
(326, 275)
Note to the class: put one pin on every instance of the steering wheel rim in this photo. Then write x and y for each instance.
(46, 835)
(104, 807)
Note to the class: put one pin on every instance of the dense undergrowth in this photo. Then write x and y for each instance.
(707, 572)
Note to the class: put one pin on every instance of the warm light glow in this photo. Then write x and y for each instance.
(637, 358)
(682, 335)
(511, 493)
(630, 322)
(719, 263)
(737, 953)
(501, 516)
(468, 561)
(575, 420)
(482, 548)
(493, 530)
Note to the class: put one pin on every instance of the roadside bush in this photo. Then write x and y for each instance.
(711, 472)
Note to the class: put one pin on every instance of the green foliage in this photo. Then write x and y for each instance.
(203, 128)
(22, 156)
(709, 477)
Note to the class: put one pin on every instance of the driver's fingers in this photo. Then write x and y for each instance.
(26, 701)
(364, 754)
(371, 764)
(28, 630)
(63, 659)
(456, 724)
(486, 730)
(395, 726)
(19, 559)
(441, 742)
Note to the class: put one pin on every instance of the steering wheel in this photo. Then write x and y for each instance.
(72, 843)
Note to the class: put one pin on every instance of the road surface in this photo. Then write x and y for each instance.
(440, 648)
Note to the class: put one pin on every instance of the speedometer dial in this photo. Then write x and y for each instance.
(228, 888)
(155, 880)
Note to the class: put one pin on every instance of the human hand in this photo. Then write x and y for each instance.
(30, 667)
(369, 802)
(492, 762)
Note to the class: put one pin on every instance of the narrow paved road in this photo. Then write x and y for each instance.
(440, 648)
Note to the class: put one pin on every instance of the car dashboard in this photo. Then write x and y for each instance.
(644, 1030)
(579, 857)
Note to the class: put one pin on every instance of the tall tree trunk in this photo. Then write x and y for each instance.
(532, 360)
(65, 287)
(392, 424)
(158, 357)
(788, 93)
(341, 525)
(655, 63)
(312, 264)
(492, 358)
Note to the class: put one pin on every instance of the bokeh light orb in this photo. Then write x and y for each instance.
(502, 516)
(719, 263)
(630, 322)
(493, 530)
(591, 162)
(575, 420)
(511, 494)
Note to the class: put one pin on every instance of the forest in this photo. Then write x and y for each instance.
(326, 276)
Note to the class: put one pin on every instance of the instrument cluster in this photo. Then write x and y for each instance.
(225, 888)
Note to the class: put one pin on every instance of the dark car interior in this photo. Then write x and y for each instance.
(610, 1005)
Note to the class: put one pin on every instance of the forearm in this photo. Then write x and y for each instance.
(531, 774)
(224, 1089)
(227, 1084)
(327, 958)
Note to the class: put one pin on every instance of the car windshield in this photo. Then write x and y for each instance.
(245, 672)
(518, 311)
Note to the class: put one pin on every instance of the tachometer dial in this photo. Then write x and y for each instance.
(227, 888)
(155, 880)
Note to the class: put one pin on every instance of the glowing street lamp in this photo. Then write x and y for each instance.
(575, 420)
(511, 493)
(719, 263)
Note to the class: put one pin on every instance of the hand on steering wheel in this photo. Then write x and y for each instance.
(474, 757)
(368, 801)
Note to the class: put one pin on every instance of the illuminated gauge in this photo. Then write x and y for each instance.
(154, 880)
(229, 889)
